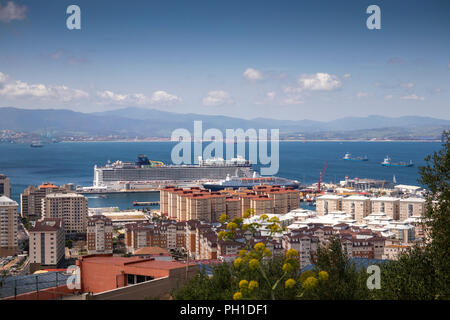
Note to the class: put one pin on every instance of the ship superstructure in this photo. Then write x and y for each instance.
(151, 173)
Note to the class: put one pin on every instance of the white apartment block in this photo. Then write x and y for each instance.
(8, 226)
(411, 207)
(388, 205)
(357, 206)
(328, 203)
(47, 242)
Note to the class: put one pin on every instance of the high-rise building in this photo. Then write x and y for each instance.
(47, 243)
(5, 186)
(328, 203)
(99, 235)
(72, 208)
(356, 205)
(388, 205)
(31, 200)
(8, 226)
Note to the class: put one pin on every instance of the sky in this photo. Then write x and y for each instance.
(274, 59)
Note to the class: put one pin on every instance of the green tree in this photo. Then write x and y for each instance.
(345, 281)
(423, 272)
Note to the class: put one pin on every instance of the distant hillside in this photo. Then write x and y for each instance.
(138, 122)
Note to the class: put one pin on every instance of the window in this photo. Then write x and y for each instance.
(410, 209)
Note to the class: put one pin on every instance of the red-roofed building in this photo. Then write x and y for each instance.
(101, 273)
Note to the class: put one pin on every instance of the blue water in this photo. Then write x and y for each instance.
(73, 163)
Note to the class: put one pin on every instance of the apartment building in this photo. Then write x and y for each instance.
(411, 207)
(305, 244)
(31, 200)
(72, 208)
(233, 207)
(200, 204)
(99, 235)
(328, 203)
(5, 186)
(166, 235)
(388, 205)
(47, 243)
(357, 206)
(8, 227)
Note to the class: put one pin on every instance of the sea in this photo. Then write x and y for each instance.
(73, 162)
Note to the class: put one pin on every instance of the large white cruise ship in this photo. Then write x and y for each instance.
(153, 174)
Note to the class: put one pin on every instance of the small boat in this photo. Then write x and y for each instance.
(349, 157)
(36, 144)
(387, 162)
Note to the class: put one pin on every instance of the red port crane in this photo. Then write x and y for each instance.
(322, 174)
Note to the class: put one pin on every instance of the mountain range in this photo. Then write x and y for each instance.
(140, 122)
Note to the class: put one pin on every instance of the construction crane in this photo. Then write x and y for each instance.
(382, 188)
(321, 177)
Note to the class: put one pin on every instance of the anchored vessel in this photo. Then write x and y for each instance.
(36, 144)
(153, 174)
(387, 162)
(349, 157)
(238, 182)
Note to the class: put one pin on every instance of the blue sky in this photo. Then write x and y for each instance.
(277, 59)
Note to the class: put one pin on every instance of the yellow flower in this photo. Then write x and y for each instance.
(310, 283)
(291, 253)
(237, 296)
(243, 284)
(290, 283)
(259, 246)
(253, 264)
(231, 226)
(274, 219)
(305, 275)
(323, 276)
(221, 234)
(287, 267)
(223, 218)
(267, 252)
(242, 253)
(253, 285)
(237, 262)
(264, 217)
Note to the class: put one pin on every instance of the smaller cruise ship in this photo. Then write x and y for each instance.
(349, 157)
(242, 182)
(387, 162)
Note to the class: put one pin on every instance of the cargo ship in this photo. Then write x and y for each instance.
(121, 174)
(349, 157)
(387, 162)
(238, 182)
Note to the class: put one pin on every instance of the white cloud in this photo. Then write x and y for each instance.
(252, 74)
(12, 11)
(292, 100)
(271, 95)
(319, 82)
(158, 97)
(217, 98)
(2, 77)
(362, 94)
(388, 97)
(412, 97)
(22, 89)
(163, 97)
(109, 95)
(346, 76)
